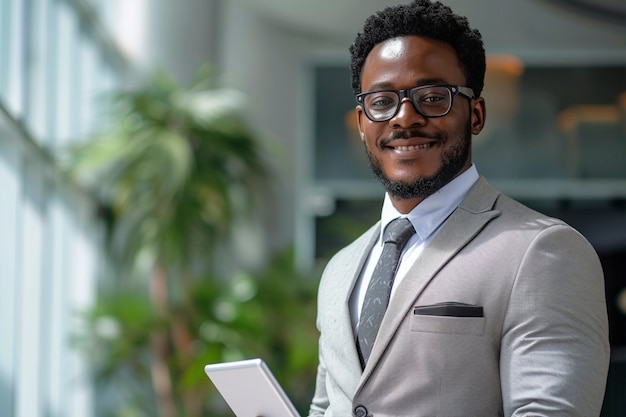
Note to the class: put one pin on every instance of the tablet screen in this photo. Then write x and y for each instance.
(250, 389)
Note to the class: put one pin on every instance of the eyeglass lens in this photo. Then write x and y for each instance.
(430, 101)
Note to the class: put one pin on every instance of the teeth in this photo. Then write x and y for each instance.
(412, 148)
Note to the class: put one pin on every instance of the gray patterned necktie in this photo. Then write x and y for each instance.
(396, 235)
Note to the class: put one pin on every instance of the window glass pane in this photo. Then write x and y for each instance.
(4, 45)
(29, 292)
(553, 122)
(338, 147)
(89, 74)
(15, 65)
(9, 213)
(66, 76)
(559, 122)
(36, 87)
(56, 305)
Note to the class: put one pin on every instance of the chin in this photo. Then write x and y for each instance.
(412, 177)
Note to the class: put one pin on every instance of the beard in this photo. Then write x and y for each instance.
(452, 162)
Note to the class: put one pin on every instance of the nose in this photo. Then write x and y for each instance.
(407, 115)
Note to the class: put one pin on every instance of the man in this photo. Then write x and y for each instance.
(495, 309)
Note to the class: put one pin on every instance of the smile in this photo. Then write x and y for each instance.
(412, 147)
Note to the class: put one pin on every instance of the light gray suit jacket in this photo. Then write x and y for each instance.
(539, 348)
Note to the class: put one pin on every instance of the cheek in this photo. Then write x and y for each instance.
(369, 138)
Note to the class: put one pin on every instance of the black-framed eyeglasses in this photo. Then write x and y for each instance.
(428, 100)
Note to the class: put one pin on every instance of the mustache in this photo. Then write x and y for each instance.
(408, 134)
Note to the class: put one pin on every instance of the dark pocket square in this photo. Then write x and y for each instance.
(450, 309)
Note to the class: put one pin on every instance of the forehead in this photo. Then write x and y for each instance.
(408, 61)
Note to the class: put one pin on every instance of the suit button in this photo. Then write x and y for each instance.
(360, 411)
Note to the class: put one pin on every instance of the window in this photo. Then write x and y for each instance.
(54, 66)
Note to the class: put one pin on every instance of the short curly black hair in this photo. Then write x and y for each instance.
(422, 18)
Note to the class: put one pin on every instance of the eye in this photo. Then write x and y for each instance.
(432, 99)
(433, 96)
(381, 100)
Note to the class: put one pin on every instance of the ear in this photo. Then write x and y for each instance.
(360, 117)
(479, 115)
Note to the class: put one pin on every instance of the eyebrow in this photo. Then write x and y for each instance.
(387, 85)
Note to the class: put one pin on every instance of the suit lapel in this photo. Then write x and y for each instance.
(341, 291)
(474, 212)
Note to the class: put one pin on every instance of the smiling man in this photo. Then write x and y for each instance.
(460, 301)
(409, 80)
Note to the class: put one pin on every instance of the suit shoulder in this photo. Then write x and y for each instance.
(516, 211)
(537, 225)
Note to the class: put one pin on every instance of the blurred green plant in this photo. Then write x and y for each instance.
(173, 173)
(269, 315)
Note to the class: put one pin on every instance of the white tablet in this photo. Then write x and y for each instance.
(250, 389)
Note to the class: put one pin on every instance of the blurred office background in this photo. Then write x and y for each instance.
(555, 139)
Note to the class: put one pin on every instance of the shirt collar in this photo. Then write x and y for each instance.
(428, 215)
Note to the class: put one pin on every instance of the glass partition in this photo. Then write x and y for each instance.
(555, 139)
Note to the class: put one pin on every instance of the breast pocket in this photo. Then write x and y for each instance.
(449, 317)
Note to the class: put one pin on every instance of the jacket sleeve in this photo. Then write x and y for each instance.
(320, 401)
(555, 350)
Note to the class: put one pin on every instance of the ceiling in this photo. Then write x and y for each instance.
(531, 29)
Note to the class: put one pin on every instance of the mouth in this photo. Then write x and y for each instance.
(410, 143)
(409, 148)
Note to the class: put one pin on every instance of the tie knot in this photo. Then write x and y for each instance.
(398, 231)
